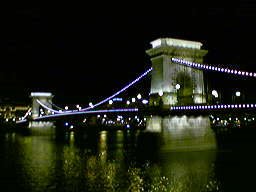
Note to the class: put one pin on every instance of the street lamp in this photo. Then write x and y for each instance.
(139, 96)
(215, 96)
(215, 93)
(238, 93)
(238, 96)
(91, 105)
(177, 86)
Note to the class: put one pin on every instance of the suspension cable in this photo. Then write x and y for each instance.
(48, 108)
(118, 92)
(213, 68)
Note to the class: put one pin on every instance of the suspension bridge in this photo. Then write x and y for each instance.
(177, 85)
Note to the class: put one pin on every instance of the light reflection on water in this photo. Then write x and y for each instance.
(104, 161)
(183, 133)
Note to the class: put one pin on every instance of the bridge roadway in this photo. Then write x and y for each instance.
(196, 110)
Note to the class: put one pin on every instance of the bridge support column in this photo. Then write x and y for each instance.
(46, 99)
(172, 83)
(43, 97)
(183, 133)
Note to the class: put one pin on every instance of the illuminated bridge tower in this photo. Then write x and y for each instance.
(43, 97)
(176, 84)
(172, 83)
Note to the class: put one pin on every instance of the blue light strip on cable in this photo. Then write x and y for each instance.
(103, 101)
(88, 112)
(213, 107)
(213, 68)
(118, 92)
(46, 107)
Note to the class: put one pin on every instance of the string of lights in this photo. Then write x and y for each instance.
(210, 107)
(21, 121)
(56, 106)
(88, 112)
(48, 108)
(118, 92)
(213, 68)
(26, 114)
(101, 102)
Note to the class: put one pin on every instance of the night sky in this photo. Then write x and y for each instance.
(81, 52)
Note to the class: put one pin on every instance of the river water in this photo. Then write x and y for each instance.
(124, 161)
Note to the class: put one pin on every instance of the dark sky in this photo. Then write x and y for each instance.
(81, 51)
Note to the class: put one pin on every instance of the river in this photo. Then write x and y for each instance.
(124, 161)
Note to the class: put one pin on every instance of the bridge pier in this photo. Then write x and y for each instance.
(183, 133)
